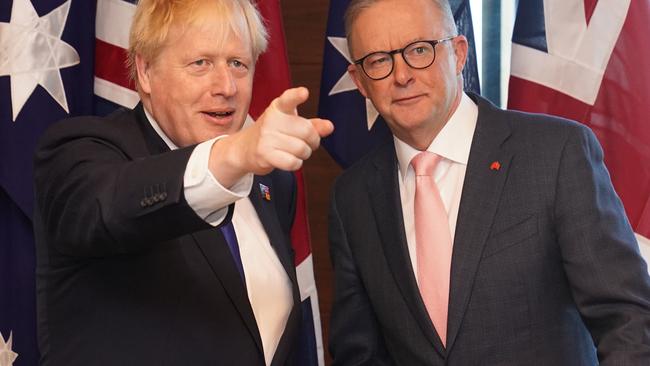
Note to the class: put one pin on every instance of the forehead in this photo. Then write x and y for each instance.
(391, 24)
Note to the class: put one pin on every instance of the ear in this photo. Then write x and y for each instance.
(460, 49)
(356, 76)
(142, 67)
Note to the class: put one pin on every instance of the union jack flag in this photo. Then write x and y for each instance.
(589, 61)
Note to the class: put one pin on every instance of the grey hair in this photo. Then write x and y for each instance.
(356, 7)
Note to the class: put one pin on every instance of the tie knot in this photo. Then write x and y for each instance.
(425, 163)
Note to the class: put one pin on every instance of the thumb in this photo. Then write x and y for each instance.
(323, 126)
(291, 99)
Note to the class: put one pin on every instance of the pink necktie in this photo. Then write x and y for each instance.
(433, 242)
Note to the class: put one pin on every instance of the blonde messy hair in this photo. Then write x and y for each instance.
(154, 18)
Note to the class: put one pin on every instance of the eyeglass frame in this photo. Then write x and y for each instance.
(392, 53)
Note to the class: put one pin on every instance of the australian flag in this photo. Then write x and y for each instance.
(358, 126)
(46, 73)
(589, 61)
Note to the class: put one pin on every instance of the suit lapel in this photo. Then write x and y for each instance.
(268, 217)
(383, 189)
(486, 173)
(153, 141)
(215, 249)
(267, 214)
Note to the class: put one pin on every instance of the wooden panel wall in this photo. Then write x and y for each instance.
(304, 26)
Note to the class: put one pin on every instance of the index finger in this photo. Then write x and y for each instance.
(291, 98)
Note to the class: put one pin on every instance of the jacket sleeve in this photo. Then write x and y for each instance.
(608, 277)
(94, 198)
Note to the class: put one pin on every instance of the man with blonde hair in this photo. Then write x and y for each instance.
(163, 231)
(474, 236)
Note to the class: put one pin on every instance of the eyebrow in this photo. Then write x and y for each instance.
(416, 39)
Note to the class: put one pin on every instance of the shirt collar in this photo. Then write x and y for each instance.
(453, 142)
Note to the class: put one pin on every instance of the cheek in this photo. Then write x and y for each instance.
(244, 91)
(245, 84)
(378, 91)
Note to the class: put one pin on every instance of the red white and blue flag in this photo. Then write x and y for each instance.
(359, 127)
(589, 61)
(46, 74)
(61, 58)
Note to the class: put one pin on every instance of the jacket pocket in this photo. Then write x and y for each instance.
(511, 235)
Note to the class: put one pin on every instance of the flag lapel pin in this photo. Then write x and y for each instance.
(265, 192)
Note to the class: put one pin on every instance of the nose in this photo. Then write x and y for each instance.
(222, 81)
(401, 70)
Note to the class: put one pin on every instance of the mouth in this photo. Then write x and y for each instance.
(219, 114)
(407, 100)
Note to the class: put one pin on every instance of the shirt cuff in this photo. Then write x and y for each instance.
(205, 195)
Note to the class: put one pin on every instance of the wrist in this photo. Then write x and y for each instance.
(226, 163)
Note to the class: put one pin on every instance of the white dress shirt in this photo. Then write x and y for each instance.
(268, 285)
(453, 144)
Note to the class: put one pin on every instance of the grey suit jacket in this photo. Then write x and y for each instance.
(545, 267)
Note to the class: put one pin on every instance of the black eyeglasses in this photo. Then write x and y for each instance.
(418, 55)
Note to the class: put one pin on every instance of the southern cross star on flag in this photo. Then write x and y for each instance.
(62, 58)
(589, 61)
(358, 126)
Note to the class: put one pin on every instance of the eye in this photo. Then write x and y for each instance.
(419, 50)
(238, 64)
(378, 60)
(200, 65)
(238, 67)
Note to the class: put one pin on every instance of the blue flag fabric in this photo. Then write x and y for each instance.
(358, 128)
(39, 40)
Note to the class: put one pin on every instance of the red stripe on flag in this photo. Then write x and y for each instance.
(110, 64)
(272, 70)
(590, 6)
(300, 230)
(532, 97)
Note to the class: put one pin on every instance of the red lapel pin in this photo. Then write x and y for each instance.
(495, 165)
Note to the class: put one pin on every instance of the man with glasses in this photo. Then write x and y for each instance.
(162, 232)
(475, 236)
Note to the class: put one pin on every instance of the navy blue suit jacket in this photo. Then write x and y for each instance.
(127, 273)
